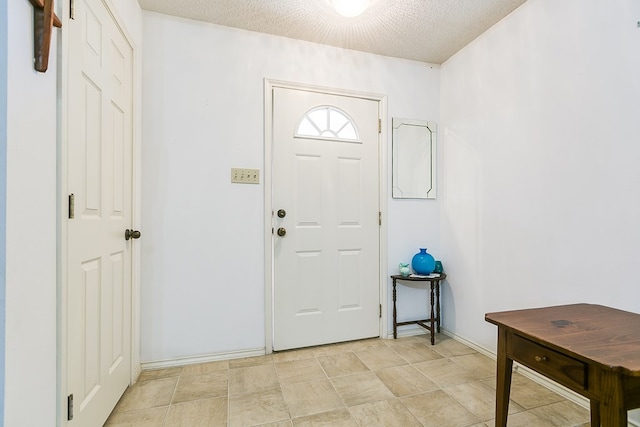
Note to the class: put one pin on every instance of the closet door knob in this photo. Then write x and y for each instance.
(131, 234)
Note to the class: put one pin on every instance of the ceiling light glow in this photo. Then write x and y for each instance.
(350, 8)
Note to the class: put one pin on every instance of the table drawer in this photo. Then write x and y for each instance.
(557, 366)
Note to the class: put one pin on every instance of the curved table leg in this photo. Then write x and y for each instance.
(433, 317)
(395, 313)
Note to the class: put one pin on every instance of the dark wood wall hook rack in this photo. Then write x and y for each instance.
(43, 20)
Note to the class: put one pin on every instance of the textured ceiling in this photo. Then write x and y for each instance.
(422, 30)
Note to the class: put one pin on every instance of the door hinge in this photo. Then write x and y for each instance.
(379, 125)
(381, 311)
(72, 206)
(72, 9)
(379, 218)
(70, 407)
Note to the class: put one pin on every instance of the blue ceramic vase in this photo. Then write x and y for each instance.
(423, 263)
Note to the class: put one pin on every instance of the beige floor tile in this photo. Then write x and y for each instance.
(384, 413)
(478, 363)
(252, 379)
(380, 358)
(361, 388)
(148, 394)
(331, 349)
(426, 339)
(363, 345)
(194, 387)
(156, 374)
(296, 371)
(450, 347)
(479, 398)
(337, 418)
(563, 414)
(153, 417)
(405, 380)
(415, 351)
(205, 368)
(289, 355)
(257, 408)
(292, 388)
(529, 394)
(445, 373)
(311, 397)
(527, 419)
(251, 361)
(437, 409)
(342, 364)
(198, 413)
(422, 338)
(287, 423)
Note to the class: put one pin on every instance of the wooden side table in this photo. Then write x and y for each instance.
(591, 349)
(433, 324)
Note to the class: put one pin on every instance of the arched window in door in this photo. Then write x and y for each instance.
(327, 122)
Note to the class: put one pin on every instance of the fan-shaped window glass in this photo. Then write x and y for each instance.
(327, 122)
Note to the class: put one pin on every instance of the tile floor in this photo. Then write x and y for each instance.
(404, 382)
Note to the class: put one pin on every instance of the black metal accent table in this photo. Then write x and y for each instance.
(434, 321)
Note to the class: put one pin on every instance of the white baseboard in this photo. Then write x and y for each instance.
(192, 360)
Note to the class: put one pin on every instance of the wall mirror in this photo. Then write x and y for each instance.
(414, 159)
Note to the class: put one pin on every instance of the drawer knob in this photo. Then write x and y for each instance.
(540, 358)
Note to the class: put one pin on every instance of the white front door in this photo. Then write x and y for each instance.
(99, 175)
(326, 200)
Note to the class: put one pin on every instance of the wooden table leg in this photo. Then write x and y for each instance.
(395, 313)
(433, 317)
(503, 381)
(594, 406)
(438, 305)
(612, 409)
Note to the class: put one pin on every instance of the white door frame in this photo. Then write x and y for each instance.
(269, 84)
(64, 117)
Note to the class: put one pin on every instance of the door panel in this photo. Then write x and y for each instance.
(99, 174)
(326, 267)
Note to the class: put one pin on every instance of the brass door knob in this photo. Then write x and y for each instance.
(131, 234)
(282, 231)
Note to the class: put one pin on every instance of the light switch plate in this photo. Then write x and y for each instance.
(245, 176)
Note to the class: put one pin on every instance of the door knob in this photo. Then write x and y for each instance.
(282, 213)
(131, 234)
(282, 231)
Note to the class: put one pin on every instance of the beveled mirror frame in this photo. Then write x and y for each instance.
(414, 159)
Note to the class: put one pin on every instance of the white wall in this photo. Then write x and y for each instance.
(537, 203)
(31, 217)
(3, 194)
(541, 152)
(203, 257)
(30, 370)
